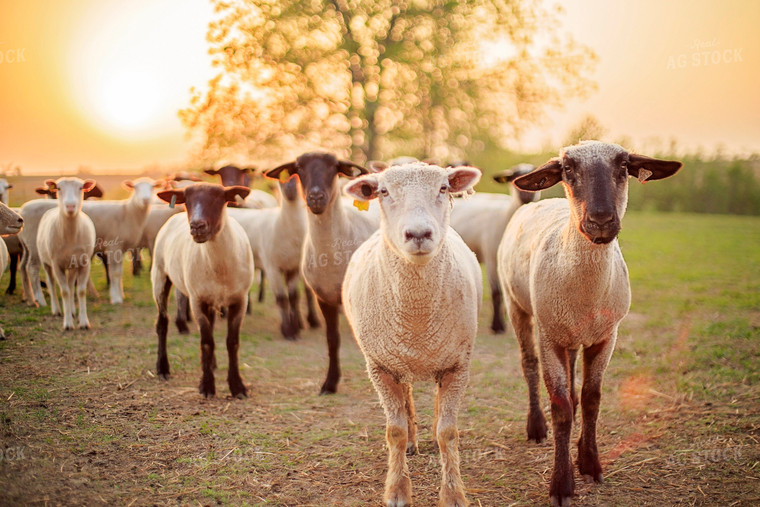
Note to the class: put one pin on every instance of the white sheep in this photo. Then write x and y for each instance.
(208, 258)
(334, 230)
(412, 294)
(10, 223)
(562, 274)
(65, 243)
(4, 187)
(277, 236)
(481, 220)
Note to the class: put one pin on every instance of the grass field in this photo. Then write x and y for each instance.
(84, 421)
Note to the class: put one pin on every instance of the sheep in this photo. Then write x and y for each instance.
(562, 273)
(65, 243)
(207, 257)
(4, 187)
(333, 231)
(120, 225)
(95, 192)
(276, 236)
(481, 221)
(233, 175)
(10, 223)
(412, 294)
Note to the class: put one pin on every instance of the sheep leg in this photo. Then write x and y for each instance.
(71, 282)
(291, 280)
(12, 268)
(117, 266)
(205, 315)
(411, 421)
(54, 309)
(261, 286)
(523, 326)
(161, 287)
(103, 256)
(595, 360)
(288, 326)
(572, 355)
(83, 275)
(235, 313)
(33, 272)
(60, 278)
(183, 313)
(26, 285)
(555, 363)
(330, 313)
(136, 261)
(451, 386)
(497, 323)
(311, 316)
(392, 394)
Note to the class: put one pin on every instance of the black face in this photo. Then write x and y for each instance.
(600, 187)
(232, 175)
(317, 172)
(204, 204)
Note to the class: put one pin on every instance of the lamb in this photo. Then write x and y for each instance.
(481, 221)
(276, 236)
(65, 242)
(233, 175)
(334, 230)
(207, 257)
(412, 294)
(562, 273)
(10, 223)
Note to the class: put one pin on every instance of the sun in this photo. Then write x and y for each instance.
(127, 99)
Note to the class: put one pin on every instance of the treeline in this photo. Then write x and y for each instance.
(704, 185)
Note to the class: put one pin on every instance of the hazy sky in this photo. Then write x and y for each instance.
(98, 83)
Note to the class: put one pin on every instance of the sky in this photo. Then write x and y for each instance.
(98, 83)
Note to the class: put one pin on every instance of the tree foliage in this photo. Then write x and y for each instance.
(378, 78)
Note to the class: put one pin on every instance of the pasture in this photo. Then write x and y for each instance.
(84, 420)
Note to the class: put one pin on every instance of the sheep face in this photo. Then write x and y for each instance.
(4, 187)
(232, 175)
(415, 204)
(70, 192)
(205, 204)
(595, 177)
(318, 172)
(142, 190)
(10, 221)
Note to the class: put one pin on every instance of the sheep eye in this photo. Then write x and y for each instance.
(444, 188)
(384, 192)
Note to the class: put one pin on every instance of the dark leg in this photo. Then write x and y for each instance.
(330, 313)
(555, 364)
(183, 313)
(497, 324)
(291, 281)
(595, 360)
(104, 258)
(288, 327)
(572, 355)
(136, 262)
(234, 322)
(12, 268)
(162, 325)
(205, 315)
(311, 316)
(261, 288)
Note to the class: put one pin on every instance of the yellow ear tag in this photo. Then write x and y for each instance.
(361, 205)
(284, 176)
(174, 201)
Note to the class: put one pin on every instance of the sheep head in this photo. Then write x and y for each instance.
(70, 192)
(595, 177)
(415, 204)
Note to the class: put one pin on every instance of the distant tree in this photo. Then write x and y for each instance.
(376, 78)
(588, 128)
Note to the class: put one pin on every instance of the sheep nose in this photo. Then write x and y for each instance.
(20, 221)
(317, 195)
(198, 227)
(418, 235)
(70, 208)
(601, 218)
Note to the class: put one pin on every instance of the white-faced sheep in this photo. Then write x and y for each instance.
(10, 223)
(481, 221)
(65, 243)
(563, 275)
(412, 294)
(208, 258)
(334, 231)
(276, 236)
(4, 187)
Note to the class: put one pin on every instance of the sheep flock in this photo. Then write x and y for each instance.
(396, 246)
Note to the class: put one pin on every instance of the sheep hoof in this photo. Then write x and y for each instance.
(561, 501)
(314, 323)
(411, 448)
(163, 376)
(328, 390)
(590, 479)
(292, 338)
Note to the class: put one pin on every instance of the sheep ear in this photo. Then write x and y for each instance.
(42, 190)
(462, 179)
(212, 172)
(10, 185)
(512, 173)
(166, 195)
(647, 168)
(95, 191)
(542, 178)
(363, 188)
(291, 168)
(231, 192)
(50, 184)
(351, 170)
(88, 185)
(128, 184)
(377, 166)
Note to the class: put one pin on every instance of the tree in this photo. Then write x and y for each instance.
(588, 128)
(377, 78)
